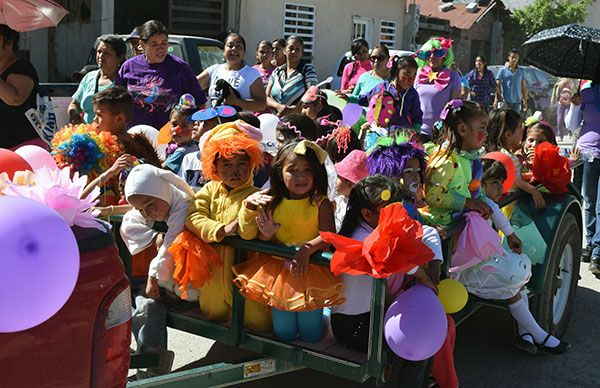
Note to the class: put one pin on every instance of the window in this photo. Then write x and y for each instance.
(210, 55)
(387, 34)
(361, 28)
(299, 20)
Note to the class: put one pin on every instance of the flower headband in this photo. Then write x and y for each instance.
(536, 119)
(454, 105)
(445, 42)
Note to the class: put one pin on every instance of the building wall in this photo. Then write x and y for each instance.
(57, 53)
(263, 19)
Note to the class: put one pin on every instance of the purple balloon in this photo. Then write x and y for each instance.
(351, 113)
(39, 263)
(415, 325)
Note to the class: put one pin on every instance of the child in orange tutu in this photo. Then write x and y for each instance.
(293, 212)
(230, 155)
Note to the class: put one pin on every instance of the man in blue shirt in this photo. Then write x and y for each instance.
(510, 84)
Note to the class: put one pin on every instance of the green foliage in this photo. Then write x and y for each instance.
(543, 14)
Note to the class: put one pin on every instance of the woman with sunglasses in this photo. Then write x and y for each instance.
(435, 83)
(361, 64)
(379, 58)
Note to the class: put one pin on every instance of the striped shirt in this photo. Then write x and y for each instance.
(288, 90)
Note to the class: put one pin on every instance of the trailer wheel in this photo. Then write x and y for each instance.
(552, 308)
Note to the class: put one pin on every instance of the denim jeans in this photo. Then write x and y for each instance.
(591, 175)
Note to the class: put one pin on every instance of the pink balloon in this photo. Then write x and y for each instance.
(351, 113)
(37, 157)
(415, 325)
(39, 263)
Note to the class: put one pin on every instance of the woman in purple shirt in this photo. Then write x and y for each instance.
(156, 79)
(435, 83)
(481, 83)
(586, 108)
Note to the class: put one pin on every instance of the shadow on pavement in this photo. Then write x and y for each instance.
(485, 356)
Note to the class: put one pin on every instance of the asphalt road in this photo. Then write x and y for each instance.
(484, 354)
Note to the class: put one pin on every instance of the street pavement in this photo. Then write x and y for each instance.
(484, 353)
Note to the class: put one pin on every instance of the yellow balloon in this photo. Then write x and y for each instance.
(453, 295)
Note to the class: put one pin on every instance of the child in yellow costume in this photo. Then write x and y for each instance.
(230, 155)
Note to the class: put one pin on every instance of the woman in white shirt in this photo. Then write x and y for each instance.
(243, 78)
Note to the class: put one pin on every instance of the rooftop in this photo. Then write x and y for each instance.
(458, 17)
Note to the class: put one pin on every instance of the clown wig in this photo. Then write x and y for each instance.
(227, 140)
(437, 43)
(389, 158)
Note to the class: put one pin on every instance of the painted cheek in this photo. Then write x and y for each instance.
(480, 136)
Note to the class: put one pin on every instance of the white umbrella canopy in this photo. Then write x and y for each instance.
(29, 15)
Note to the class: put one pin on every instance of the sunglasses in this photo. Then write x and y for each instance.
(437, 53)
(379, 58)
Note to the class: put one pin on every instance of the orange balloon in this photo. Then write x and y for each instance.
(509, 166)
(10, 162)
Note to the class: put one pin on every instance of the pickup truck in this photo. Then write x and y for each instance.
(198, 52)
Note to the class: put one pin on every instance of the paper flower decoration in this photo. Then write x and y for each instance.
(57, 190)
(85, 150)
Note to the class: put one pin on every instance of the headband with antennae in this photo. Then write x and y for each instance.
(293, 128)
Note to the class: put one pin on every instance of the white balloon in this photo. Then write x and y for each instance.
(268, 123)
(150, 132)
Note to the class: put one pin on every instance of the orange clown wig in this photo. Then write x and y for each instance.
(228, 139)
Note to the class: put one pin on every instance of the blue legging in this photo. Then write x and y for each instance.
(309, 325)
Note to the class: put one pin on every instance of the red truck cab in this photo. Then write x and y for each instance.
(86, 343)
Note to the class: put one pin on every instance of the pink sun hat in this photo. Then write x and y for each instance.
(353, 167)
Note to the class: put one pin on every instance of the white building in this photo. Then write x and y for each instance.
(326, 26)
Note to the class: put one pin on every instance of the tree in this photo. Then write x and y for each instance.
(543, 14)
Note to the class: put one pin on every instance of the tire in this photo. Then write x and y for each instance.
(553, 306)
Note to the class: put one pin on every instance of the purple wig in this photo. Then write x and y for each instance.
(390, 160)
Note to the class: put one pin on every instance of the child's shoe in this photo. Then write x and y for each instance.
(522, 343)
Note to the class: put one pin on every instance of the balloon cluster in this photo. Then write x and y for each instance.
(415, 325)
(40, 257)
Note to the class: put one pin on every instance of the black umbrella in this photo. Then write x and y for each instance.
(571, 51)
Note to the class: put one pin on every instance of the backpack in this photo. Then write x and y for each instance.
(43, 118)
(381, 108)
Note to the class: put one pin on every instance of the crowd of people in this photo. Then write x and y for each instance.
(420, 158)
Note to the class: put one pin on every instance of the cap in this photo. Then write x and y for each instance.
(134, 35)
(353, 167)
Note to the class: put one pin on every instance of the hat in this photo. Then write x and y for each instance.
(353, 167)
(312, 94)
(228, 139)
(134, 35)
